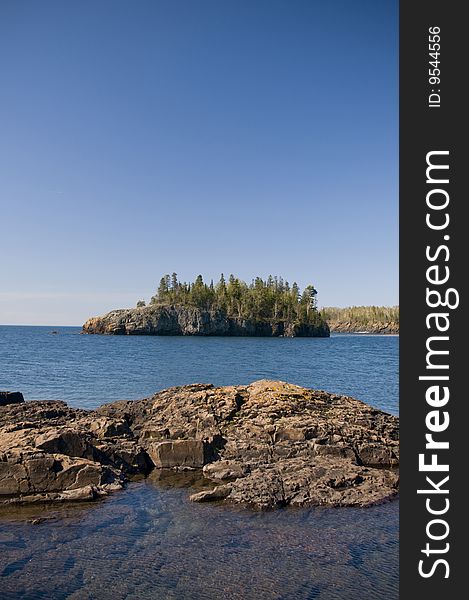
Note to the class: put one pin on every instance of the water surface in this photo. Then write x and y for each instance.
(149, 541)
(88, 370)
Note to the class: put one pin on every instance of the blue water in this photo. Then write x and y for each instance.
(149, 542)
(88, 370)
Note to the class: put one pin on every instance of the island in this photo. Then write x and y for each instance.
(228, 308)
(264, 445)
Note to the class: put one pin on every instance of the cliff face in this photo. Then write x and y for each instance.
(188, 320)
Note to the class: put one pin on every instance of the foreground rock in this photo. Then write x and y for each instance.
(266, 444)
(189, 320)
(51, 452)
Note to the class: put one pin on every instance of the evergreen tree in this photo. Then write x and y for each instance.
(272, 299)
(222, 284)
(163, 288)
(295, 292)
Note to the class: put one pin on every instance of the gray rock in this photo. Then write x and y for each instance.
(190, 320)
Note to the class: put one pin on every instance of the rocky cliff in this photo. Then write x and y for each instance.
(267, 444)
(188, 320)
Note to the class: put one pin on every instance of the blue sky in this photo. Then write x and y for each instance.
(196, 136)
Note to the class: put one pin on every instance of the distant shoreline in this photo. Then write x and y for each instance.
(363, 319)
(364, 333)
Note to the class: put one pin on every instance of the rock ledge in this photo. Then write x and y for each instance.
(268, 444)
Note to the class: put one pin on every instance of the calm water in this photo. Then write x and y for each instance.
(149, 542)
(88, 370)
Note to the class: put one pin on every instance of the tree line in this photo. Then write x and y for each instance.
(362, 315)
(270, 299)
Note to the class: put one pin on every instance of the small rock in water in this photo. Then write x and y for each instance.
(11, 398)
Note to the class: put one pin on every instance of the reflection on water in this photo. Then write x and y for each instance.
(149, 541)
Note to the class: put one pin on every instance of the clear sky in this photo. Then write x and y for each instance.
(196, 136)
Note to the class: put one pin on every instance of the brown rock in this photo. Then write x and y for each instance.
(106, 427)
(276, 444)
(38, 474)
(377, 455)
(177, 453)
(67, 441)
(334, 451)
(292, 434)
(225, 470)
(126, 455)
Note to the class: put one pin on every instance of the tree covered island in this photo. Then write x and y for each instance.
(270, 307)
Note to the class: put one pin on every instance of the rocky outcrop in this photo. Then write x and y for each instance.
(189, 320)
(51, 452)
(376, 327)
(267, 444)
(11, 398)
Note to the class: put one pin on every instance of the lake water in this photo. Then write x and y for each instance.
(88, 370)
(149, 541)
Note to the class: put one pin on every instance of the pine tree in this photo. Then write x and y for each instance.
(163, 288)
(263, 300)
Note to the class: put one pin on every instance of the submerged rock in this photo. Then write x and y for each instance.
(267, 444)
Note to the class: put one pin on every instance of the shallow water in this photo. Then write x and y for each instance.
(149, 541)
